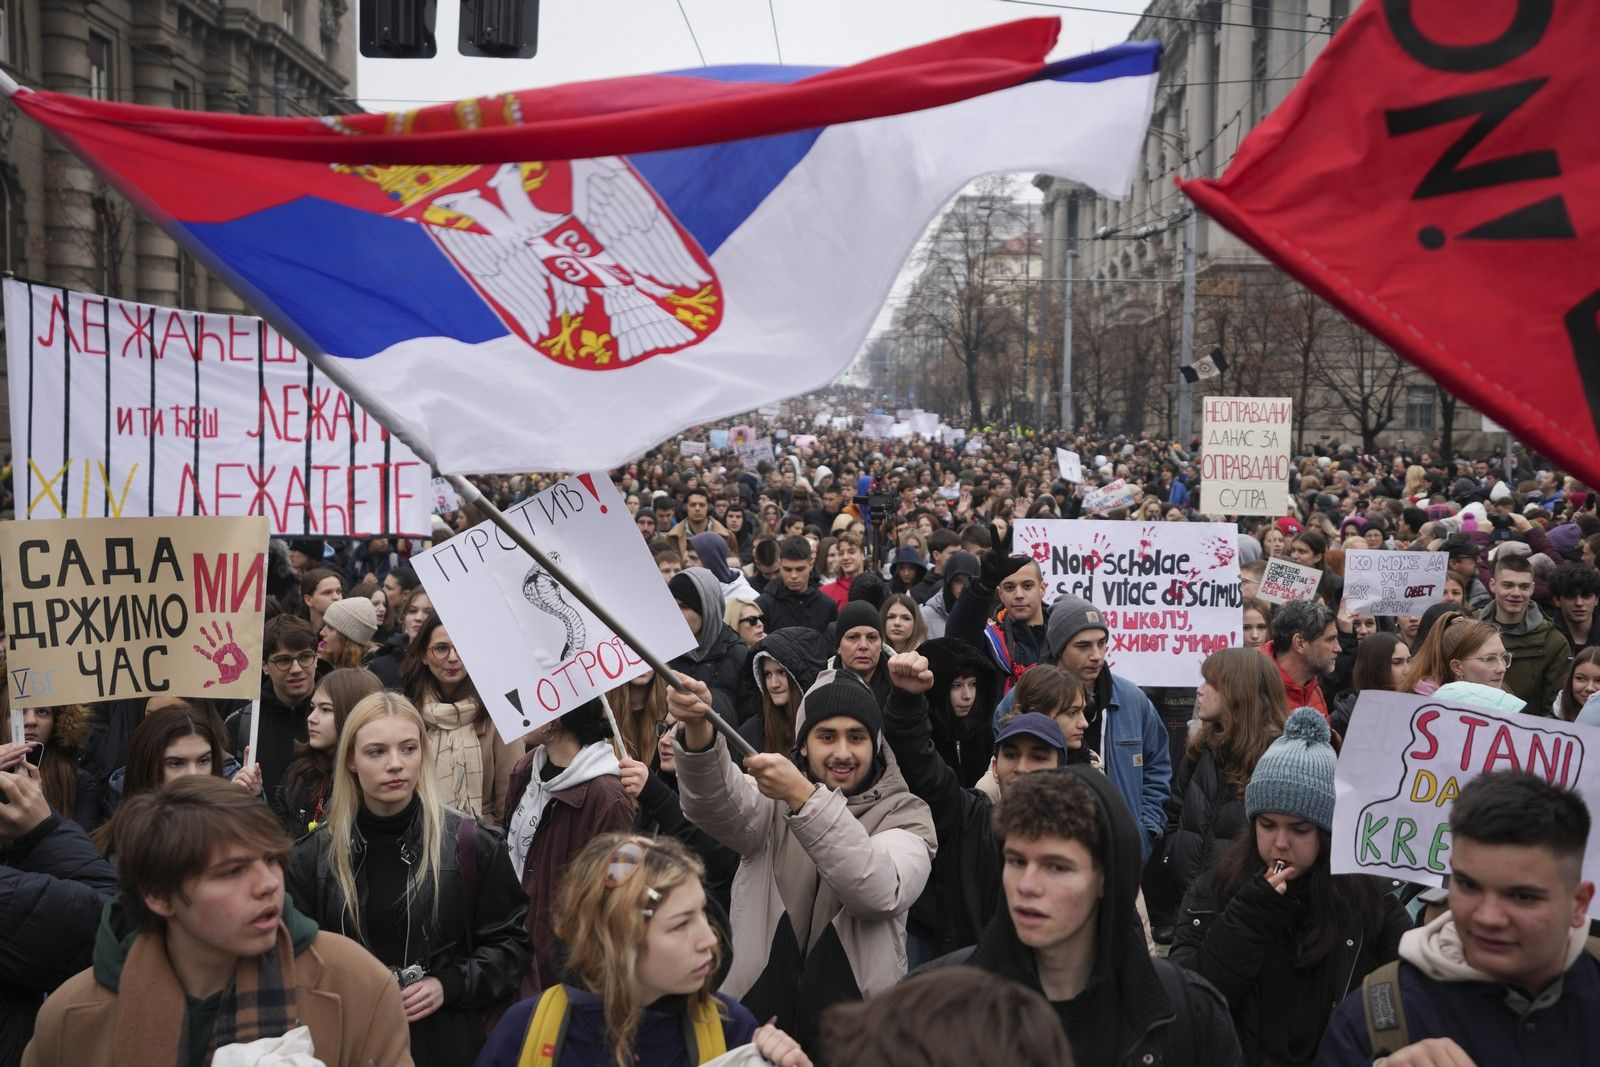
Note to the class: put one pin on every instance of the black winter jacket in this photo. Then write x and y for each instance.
(53, 883)
(1203, 815)
(479, 964)
(1130, 1006)
(966, 744)
(722, 669)
(812, 608)
(964, 889)
(1248, 948)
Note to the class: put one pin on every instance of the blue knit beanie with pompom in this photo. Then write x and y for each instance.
(1295, 775)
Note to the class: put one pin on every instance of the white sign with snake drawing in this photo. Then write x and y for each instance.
(531, 649)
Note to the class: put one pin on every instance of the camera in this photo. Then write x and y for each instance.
(408, 976)
(881, 503)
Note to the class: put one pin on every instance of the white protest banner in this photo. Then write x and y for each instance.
(1377, 582)
(692, 448)
(124, 410)
(1244, 458)
(925, 424)
(768, 411)
(900, 431)
(753, 452)
(1104, 498)
(1070, 464)
(1405, 758)
(532, 650)
(107, 609)
(445, 499)
(1283, 582)
(842, 422)
(1169, 590)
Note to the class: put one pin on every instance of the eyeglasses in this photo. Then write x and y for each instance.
(441, 649)
(753, 620)
(1503, 659)
(624, 860)
(300, 659)
(662, 726)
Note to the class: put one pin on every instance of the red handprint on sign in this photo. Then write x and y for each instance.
(229, 658)
(1147, 540)
(1099, 545)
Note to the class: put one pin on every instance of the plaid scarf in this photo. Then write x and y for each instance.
(259, 1001)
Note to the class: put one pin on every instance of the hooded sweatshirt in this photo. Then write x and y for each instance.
(820, 899)
(800, 651)
(719, 657)
(936, 609)
(965, 743)
(1127, 1012)
(784, 608)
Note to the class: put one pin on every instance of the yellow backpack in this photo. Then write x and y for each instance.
(702, 1031)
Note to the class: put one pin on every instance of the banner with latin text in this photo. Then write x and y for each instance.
(1169, 590)
(1406, 758)
(533, 651)
(112, 609)
(121, 410)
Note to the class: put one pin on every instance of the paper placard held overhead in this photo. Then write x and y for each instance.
(1377, 582)
(1283, 582)
(1244, 461)
(1070, 464)
(1406, 758)
(532, 650)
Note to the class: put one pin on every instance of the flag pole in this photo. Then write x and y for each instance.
(471, 495)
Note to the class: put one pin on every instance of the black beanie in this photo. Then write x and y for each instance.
(684, 591)
(857, 613)
(846, 696)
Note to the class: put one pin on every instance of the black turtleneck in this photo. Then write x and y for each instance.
(387, 872)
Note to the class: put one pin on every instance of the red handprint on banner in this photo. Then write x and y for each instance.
(229, 658)
(1099, 545)
(1222, 551)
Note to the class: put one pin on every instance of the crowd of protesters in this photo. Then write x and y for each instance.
(963, 838)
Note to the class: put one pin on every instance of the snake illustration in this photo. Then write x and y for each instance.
(544, 593)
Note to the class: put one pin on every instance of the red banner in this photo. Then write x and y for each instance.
(1435, 177)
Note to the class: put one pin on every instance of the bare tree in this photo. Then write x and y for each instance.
(964, 294)
(1366, 380)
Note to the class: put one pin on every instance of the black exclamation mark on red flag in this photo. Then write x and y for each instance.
(588, 483)
(515, 698)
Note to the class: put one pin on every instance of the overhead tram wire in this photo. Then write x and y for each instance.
(690, 27)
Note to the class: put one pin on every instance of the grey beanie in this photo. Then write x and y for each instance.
(1068, 617)
(1295, 775)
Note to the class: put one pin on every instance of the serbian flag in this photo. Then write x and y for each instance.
(1436, 177)
(559, 279)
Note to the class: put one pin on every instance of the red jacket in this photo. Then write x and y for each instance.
(1300, 696)
(838, 590)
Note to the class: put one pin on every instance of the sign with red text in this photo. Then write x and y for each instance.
(1169, 591)
(1379, 582)
(121, 410)
(114, 609)
(1244, 456)
(533, 651)
(1406, 758)
(1098, 500)
(1283, 582)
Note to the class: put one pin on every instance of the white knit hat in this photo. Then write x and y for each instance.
(354, 617)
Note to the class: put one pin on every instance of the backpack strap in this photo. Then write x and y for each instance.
(467, 866)
(1180, 1039)
(1384, 1011)
(547, 1031)
(702, 1032)
(1592, 947)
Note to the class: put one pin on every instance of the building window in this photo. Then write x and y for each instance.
(11, 218)
(5, 31)
(99, 67)
(1260, 27)
(1420, 400)
(182, 96)
(287, 16)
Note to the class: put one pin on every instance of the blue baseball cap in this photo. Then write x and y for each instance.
(1032, 724)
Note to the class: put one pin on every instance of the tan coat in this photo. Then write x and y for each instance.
(347, 998)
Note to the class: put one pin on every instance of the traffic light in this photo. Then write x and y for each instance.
(499, 29)
(397, 29)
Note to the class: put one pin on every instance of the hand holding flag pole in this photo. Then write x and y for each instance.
(471, 495)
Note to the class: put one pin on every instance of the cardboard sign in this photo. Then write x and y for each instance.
(533, 651)
(1070, 464)
(805, 440)
(753, 452)
(1406, 758)
(1244, 459)
(1169, 591)
(925, 424)
(768, 411)
(741, 435)
(973, 446)
(1117, 494)
(718, 439)
(1377, 582)
(107, 609)
(1283, 582)
(692, 448)
(877, 426)
(120, 410)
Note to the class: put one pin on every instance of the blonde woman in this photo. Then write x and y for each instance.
(642, 967)
(428, 891)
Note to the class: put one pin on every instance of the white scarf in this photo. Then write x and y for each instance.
(592, 761)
